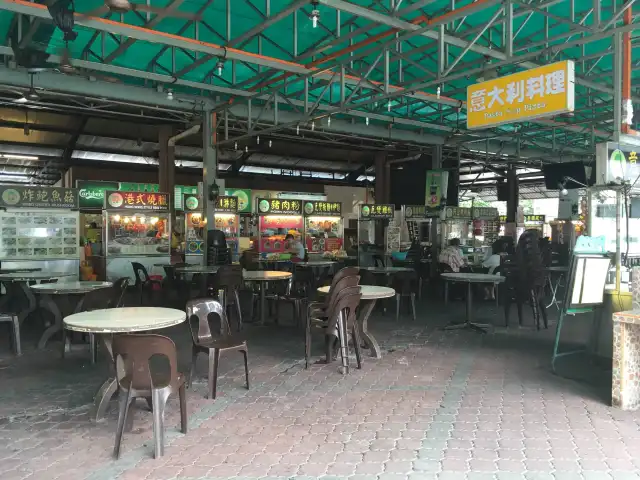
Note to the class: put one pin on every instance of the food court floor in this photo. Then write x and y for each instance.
(438, 405)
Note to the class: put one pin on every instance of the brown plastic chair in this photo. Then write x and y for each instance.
(342, 321)
(229, 279)
(319, 310)
(15, 330)
(342, 273)
(137, 379)
(213, 345)
(320, 318)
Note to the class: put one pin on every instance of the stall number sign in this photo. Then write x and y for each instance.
(415, 211)
(485, 212)
(279, 206)
(225, 204)
(369, 211)
(38, 197)
(136, 200)
(534, 218)
(540, 92)
(191, 203)
(333, 209)
(458, 212)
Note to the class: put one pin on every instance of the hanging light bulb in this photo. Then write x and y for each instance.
(246, 149)
(269, 143)
(389, 106)
(235, 146)
(366, 120)
(258, 140)
(328, 121)
(313, 126)
(297, 129)
(220, 67)
(315, 14)
(438, 92)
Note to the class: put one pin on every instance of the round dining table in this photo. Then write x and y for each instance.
(16, 286)
(113, 321)
(62, 297)
(370, 295)
(263, 277)
(469, 279)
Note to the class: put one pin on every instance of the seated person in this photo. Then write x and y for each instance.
(452, 256)
(294, 247)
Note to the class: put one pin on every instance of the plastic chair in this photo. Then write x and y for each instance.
(204, 341)
(319, 317)
(137, 379)
(143, 280)
(405, 284)
(15, 331)
(302, 287)
(342, 320)
(116, 295)
(229, 279)
(342, 273)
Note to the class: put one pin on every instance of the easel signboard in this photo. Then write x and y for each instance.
(585, 287)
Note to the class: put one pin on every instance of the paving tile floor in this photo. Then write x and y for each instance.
(438, 405)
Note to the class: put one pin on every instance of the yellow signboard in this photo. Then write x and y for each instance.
(536, 93)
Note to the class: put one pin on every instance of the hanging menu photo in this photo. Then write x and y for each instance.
(31, 236)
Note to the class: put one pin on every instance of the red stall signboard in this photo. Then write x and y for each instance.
(136, 200)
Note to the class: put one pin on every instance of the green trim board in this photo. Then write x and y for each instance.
(19, 196)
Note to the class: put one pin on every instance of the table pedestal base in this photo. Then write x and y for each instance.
(366, 307)
(468, 324)
(476, 327)
(109, 388)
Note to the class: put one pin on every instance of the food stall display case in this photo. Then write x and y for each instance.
(486, 225)
(137, 228)
(228, 221)
(456, 223)
(276, 218)
(368, 215)
(323, 227)
(419, 219)
(195, 223)
(40, 228)
(536, 222)
(601, 210)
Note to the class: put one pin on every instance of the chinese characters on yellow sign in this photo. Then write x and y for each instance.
(458, 212)
(371, 212)
(227, 204)
(327, 209)
(39, 197)
(136, 200)
(540, 92)
(279, 206)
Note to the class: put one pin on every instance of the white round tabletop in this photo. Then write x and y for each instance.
(266, 260)
(198, 269)
(387, 270)
(369, 292)
(63, 288)
(29, 276)
(473, 277)
(124, 320)
(265, 276)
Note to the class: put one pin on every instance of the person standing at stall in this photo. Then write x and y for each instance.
(294, 247)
